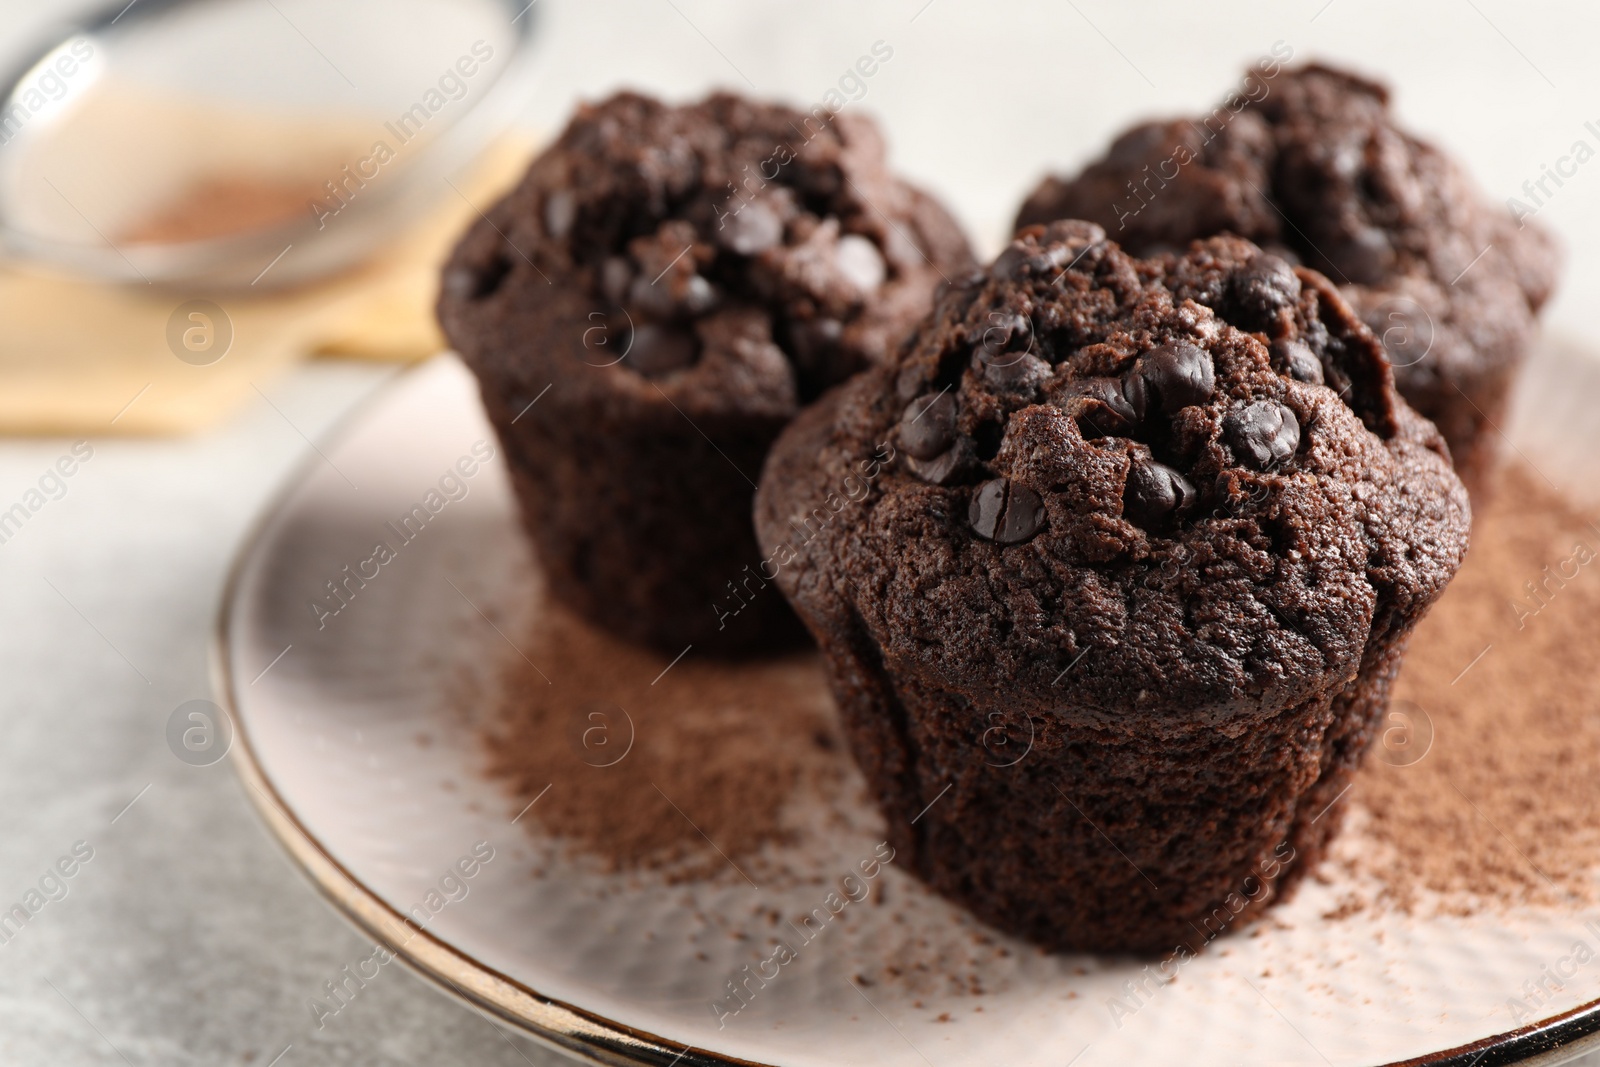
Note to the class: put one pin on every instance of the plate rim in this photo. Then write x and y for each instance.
(554, 1023)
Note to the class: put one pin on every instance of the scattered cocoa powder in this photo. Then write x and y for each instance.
(684, 767)
(220, 205)
(1504, 807)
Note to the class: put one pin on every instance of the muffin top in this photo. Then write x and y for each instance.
(1182, 485)
(726, 253)
(1315, 169)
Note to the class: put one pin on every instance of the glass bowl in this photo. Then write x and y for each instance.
(225, 144)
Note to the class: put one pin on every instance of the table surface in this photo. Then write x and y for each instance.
(188, 939)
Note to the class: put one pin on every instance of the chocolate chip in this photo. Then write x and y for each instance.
(939, 470)
(1011, 264)
(1297, 360)
(1068, 237)
(672, 295)
(1004, 513)
(860, 262)
(1054, 257)
(1263, 434)
(615, 276)
(477, 282)
(1173, 375)
(1016, 372)
(950, 298)
(818, 336)
(753, 228)
(651, 299)
(900, 249)
(658, 350)
(814, 346)
(928, 426)
(1006, 332)
(696, 295)
(1153, 492)
(463, 283)
(909, 382)
(1363, 258)
(1264, 287)
(1103, 411)
(1069, 242)
(560, 209)
(460, 282)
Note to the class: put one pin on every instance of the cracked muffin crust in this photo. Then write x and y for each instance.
(681, 280)
(1161, 525)
(1316, 169)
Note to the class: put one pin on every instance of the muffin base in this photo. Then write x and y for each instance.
(1087, 835)
(641, 524)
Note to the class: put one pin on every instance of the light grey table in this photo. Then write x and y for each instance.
(187, 938)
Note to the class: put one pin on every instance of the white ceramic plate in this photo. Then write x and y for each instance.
(353, 742)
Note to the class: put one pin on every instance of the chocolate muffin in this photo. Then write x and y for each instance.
(649, 307)
(1311, 164)
(1136, 549)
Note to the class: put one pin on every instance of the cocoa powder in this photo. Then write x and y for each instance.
(223, 205)
(685, 767)
(1503, 807)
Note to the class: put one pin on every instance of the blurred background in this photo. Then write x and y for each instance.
(182, 322)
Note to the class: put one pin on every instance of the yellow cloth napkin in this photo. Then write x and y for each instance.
(80, 357)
